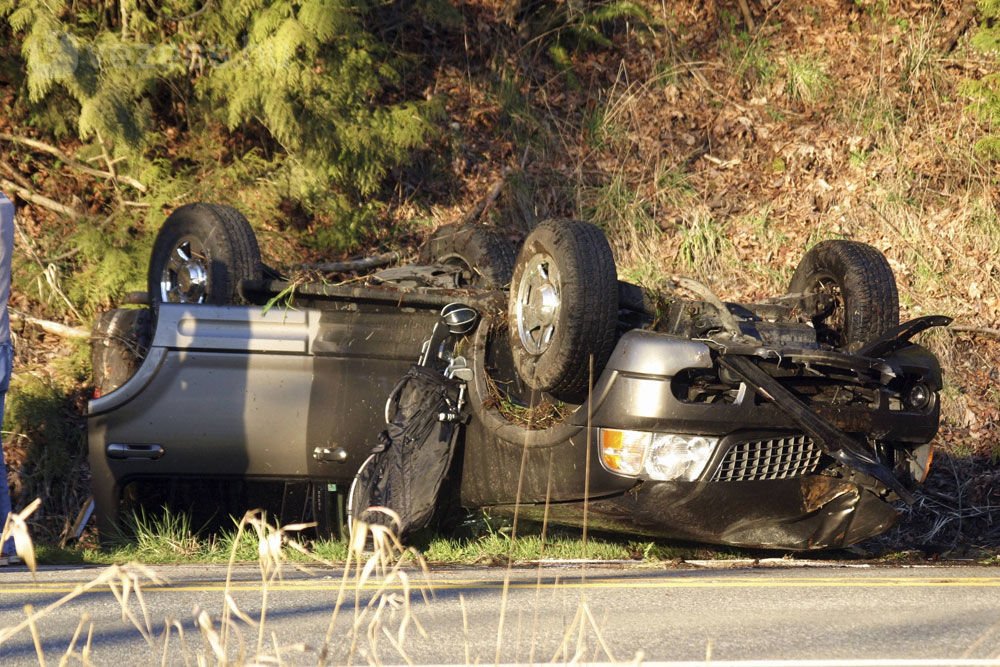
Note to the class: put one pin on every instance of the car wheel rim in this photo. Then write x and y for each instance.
(185, 275)
(538, 304)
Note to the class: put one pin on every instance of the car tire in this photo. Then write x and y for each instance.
(119, 343)
(486, 258)
(866, 302)
(201, 254)
(563, 307)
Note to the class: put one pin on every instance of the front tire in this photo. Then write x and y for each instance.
(201, 254)
(865, 301)
(563, 308)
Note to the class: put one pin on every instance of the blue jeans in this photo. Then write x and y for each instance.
(6, 363)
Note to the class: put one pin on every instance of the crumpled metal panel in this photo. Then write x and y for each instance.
(814, 512)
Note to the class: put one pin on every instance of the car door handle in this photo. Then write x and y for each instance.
(117, 450)
(330, 454)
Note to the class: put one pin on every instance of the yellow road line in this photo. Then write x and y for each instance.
(574, 583)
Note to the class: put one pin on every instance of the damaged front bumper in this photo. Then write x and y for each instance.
(808, 448)
(805, 513)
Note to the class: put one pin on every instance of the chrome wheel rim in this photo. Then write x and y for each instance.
(185, 276)
(539, 301)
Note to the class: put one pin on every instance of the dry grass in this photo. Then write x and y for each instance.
(375, 612)
(377, 581)
(542, 415)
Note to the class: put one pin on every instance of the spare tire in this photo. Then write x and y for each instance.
(865, 301)
(119, 343)
(484, 258)
(563, 308)
(201, 254)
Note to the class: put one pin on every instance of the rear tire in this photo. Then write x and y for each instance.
(563, 308)
(201, 254)
(866, 302)
(119, 343)
(484, 257)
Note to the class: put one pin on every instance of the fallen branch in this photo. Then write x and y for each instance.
(71, 162)
(747, 16)
(40, 200)
(15, 174)
(985, 331)
(480, 208)
(363, 264)
(48, 326)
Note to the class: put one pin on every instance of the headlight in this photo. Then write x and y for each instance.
(919, 396)
(660, 456)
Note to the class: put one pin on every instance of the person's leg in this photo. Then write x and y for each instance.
(6, 359)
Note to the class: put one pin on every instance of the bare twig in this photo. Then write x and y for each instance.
(107, 160)
(40, 200)
(71, 162)
(356, 264)
(49, 271)
(48, 326)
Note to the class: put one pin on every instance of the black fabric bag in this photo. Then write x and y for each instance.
(405, 470)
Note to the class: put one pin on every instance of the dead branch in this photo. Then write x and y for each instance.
(15, 174)
(40, 200)
(985, 331)
(48, 326)
(480, 208)
(362, 264)
(966, 17)
(747, 16)
(71, 162)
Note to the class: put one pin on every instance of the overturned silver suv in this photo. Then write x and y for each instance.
(796, 423)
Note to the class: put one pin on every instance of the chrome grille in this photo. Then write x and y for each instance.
(777, 458)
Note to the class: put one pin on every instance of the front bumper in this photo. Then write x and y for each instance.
(806, 513)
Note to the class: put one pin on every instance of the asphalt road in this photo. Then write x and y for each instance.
(518, 615)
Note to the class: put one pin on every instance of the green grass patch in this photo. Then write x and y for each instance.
(807, 81)
(498, 548)
(168, 538)
(747, 56)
